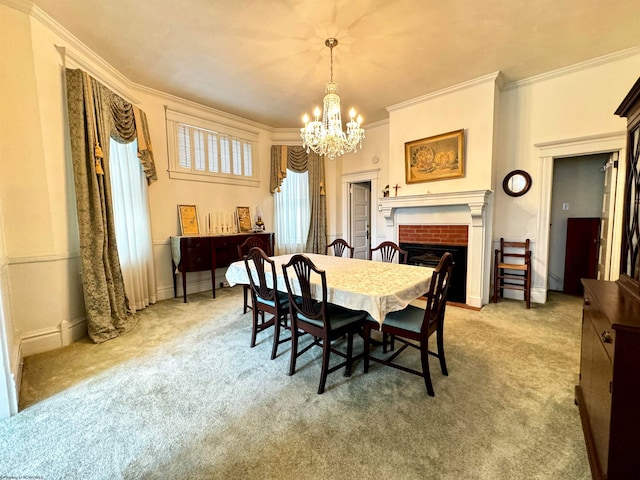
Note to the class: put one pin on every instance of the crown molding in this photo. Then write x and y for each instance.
(75, 54)
(594, 62)
(494, 77)
(21, 5)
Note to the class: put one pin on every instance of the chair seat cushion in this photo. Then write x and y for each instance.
(409, 318)
(338, 316)
(283, 298)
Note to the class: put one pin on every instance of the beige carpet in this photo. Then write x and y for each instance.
(183, 396)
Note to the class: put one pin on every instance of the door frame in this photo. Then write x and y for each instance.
(574, 147)
(359, 177)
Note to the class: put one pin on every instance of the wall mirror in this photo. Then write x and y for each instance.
(516, 183)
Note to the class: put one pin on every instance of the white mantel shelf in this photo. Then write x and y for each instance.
(476, 200)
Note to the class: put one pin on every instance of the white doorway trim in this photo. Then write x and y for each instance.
(548, 151)
(358, 177)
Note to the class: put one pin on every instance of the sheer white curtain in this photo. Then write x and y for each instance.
(133, 225)
(292, 213)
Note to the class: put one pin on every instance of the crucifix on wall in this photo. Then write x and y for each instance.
(396, 188)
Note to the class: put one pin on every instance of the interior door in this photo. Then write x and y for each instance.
(581, 260)
(607, 216)
(360, 218)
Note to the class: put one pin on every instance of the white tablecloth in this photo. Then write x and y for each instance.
(375, 287)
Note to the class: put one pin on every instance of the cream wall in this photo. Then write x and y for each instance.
(469, 106)
(375, 144)
(167, 193)
(40, 287)
(573, 106)
(42, 300)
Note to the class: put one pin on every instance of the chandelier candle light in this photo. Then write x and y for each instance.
(326, 137)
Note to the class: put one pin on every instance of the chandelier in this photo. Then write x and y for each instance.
(326, 137)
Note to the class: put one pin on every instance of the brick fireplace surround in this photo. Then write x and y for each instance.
(451, 218)
(427, 243)
(434, 234)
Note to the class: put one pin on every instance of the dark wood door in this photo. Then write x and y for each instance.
(581, 257)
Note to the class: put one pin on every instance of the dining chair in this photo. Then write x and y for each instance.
(326, 322)
(339, 246)
(243, 249)
(388, 252)
(266, 298)
(413, 326)
(512, 269)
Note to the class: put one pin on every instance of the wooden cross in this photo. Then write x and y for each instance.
(397, 187)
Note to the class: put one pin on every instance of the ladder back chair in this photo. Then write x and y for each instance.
(512, 269)
(339, 246)
(266, 298)
(243, 249)
(388, 252)
(412, 326)
(326, 322)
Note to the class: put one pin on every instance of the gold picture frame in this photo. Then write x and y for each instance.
(188, 216)
(435, 158)
(243, 217)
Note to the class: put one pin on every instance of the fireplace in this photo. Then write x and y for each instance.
(452, 213)
(428, 255)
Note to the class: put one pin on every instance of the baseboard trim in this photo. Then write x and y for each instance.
(39, 341)
(202, 285)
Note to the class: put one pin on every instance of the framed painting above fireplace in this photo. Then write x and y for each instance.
(435, 158)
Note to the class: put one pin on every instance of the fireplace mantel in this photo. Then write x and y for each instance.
(476, 200)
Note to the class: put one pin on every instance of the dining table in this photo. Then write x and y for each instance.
(373, 286)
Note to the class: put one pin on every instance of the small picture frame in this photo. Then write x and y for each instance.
(243, 217)
(435, 158)
(188, 216)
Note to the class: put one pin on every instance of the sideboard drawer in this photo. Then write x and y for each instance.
(606, 334)
(195, 254)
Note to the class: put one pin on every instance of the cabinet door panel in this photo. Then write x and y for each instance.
(600, 402)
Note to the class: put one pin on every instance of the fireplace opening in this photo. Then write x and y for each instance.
(428, 255)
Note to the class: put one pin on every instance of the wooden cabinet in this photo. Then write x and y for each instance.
(200, 253)
(581, 257)
(608, 395)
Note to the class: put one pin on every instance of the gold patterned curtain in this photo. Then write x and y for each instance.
(96, 114)
(297, 159)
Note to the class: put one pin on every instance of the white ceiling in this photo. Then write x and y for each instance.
(265, 60)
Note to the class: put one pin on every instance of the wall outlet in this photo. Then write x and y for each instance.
(224, 284)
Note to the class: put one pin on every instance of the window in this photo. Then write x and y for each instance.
(204, 151)
(292, 213)
(132, 224)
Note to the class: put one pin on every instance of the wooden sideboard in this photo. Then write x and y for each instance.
(608, 395)
(200, 253)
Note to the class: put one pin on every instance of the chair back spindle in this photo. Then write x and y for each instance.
(339, 246)
(388, 252)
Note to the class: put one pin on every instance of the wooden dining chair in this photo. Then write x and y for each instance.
(266, 298)
(243, 249)
(413, 326)
(326, 322)
(339, 245)
(512, 269)
(388, 252)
